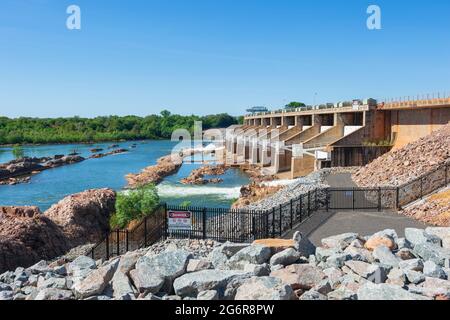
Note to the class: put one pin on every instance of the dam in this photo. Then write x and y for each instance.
(296, 142)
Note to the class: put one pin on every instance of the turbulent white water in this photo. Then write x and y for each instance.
(172, 191)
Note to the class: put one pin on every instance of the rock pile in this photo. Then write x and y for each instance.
(293, 190)
(414, 160)
(381, 266)
(434, 210)
(27, 235)
(197, 176)
(84, 217)
(164, 167)
(253, 193)
(19, 170)
(102, 155)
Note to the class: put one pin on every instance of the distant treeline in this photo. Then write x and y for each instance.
(111, 128)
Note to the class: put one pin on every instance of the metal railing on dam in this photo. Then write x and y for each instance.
(240, 225)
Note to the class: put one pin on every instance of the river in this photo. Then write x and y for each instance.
(50, 186)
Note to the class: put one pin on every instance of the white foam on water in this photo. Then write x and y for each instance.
(173, 191)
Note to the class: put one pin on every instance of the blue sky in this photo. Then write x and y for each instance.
(210, 56)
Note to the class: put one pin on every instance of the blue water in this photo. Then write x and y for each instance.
(50, 186)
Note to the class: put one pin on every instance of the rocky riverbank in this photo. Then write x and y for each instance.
(164, 167)
(20, 170)
(197, 176)
(349, 266)
(27, 235)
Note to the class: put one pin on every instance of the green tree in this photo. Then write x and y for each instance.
(18, 152)
(134, 205)
(294, 104)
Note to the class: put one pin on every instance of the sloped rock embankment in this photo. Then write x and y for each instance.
(27, 235)
(349, 266)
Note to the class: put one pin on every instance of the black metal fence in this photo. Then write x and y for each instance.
(237, 225)
(147, 232)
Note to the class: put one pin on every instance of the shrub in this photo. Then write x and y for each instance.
(134, 205)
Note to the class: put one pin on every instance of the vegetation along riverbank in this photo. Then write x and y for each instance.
(109, 128)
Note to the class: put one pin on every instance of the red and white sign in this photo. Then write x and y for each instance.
(179, 220)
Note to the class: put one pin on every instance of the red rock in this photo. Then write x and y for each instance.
(84, 217)
(27, 236)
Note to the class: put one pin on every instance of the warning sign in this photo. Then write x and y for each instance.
(179, 220)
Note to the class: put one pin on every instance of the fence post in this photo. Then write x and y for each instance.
(145, 231)
(353, 198)
(118, 242)
(127, 243)
(253, 227)
(309, 203)
(107, 247)
(327, 194)
(273, 222)
(281, 218)
(292, 215)
(204, 223)
(166, 231)
(379, 199)
(397, 198)
(267, 231)
(301, 207)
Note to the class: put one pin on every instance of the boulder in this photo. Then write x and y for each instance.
(339, 241)
(337, 260)
(81, 267)
(411, 264)
(334, 276)
(84, 217)
(190, 284)
(264, 288)
(433, 252)
(96, 281)
(442, 233)
(368, 271)
(342, 293)
(300, 276)
(383, 291)
(198, 264)
(168, 265)
(276, 245)
(145, 280)
(396, 277)
(54, 294)
(431, 269)
(375, 241)
(385, 256)
(433, 287)
(208, 295)
(258, 270)
(27, 236)
(419, 236)
(322, 254)
(302, 244)
(255, 254)
(40, 267)
(313, 295)
(414, 277)
(286, 257)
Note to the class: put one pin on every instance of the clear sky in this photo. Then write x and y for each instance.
(210, 56)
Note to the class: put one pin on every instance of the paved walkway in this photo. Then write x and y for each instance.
(323, 224)
(340, 180)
